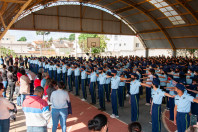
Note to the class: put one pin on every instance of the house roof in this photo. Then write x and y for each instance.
(38, 42)
(60, 46)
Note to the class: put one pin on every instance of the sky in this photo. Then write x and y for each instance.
(31, 35)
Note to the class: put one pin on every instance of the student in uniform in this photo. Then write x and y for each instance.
(50, 67)
(59, 70)
(69, 79)
(121, 90)
(40, 65)
(171, 101)
(134, 96)
(47, 67)
(76, 70)
(102, 80)
(108, 87)
(115, 80)
(93, 78)
(157, 96)
(149, 80)
(182, 108)
(193, 90)
(83, 83)
(64, 73)
(54, 72)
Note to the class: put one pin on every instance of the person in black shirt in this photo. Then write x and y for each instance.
(11, 82)
(5, 80)
(26, 61)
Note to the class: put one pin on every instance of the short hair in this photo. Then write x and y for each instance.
(97, 123)
(152, 71)
(60, 85)
(39, 76)
(10, 68)
(1, 86)
(134, 127)
(4, 66)
(39, 89)
(22, 71)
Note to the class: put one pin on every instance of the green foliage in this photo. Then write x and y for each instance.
(72, 37)
(83, 43)
(5, 51)
(22, 39)
(191, 51)
(50, 40)
(64, 38)
(42, 33)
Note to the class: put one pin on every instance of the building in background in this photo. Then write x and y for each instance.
(18, 47)
(7, 38)
(121, 45)
(62, 47)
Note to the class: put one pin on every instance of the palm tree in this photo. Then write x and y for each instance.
(43, 33)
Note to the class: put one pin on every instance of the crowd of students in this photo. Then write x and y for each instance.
(172, 81)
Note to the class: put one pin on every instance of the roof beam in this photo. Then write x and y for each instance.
(123, 9)
(2, 21)
(15, 18)
(111, 3)
(149, 31)
(153, 19)
(185, 5)
(14, 1)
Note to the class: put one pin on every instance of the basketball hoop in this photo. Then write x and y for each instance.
(93, 42)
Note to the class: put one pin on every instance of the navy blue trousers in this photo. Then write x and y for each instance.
(194, 108)
(114, 101)
(88, 81)
(102, 95)
(45, 70)
(171, 106)
(134, 107)
(167, 98)
(121, 96)
(50, 73)
(54, 75)
(148, 94)
(128, 88)
(98, 87)
(107, 90)
(58, 77)
(93, 92)
(83, 85)
(183, 121)
(70, 83)
(156, 118)
(64, 77)
(77, 83)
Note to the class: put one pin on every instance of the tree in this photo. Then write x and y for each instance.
(22, 39)
(43, 33)
(4, 51)
(72, 37)
(191, 51)
(83, 43)
(64, 38)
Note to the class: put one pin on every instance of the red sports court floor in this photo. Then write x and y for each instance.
(77, 122)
